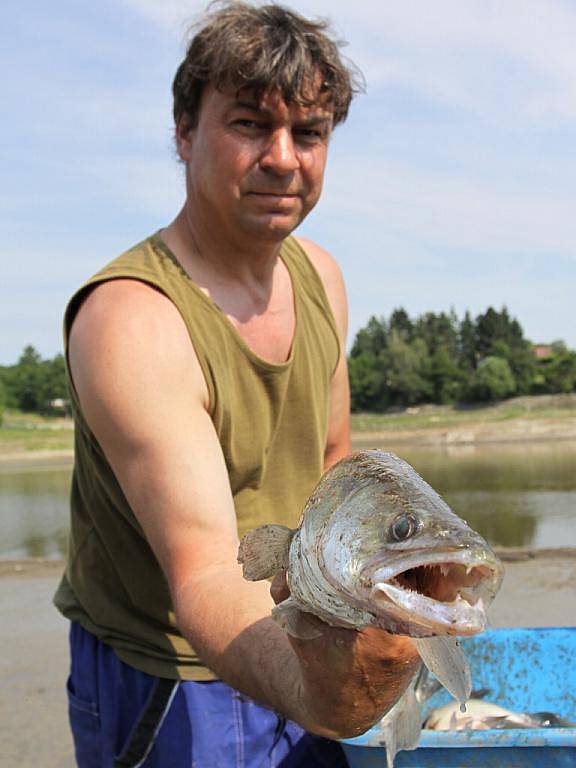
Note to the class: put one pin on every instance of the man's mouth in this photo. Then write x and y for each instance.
(279, 195)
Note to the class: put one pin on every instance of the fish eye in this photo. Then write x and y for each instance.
(403, 527)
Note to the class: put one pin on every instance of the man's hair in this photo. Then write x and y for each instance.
(267, 48)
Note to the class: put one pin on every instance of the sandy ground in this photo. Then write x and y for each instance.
(539, 590)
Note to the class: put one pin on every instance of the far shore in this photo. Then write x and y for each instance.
(28, 441)
(485, 434)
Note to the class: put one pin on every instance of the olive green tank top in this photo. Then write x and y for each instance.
(271, 420)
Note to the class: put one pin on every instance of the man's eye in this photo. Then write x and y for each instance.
(246, 123)
(309, 134)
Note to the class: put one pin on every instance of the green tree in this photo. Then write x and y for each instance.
(438, 331)
(407, 371)
(523, 366)
(33, 383)
(446, 377)
(401, 324)
(372, 339)
(492, 380)
(54, 372)
(467, 345)
(2, 402)
(367, 383)
(560, 373)
(499, 335)
(26, 380)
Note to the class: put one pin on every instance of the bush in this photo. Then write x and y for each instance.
(492, 380)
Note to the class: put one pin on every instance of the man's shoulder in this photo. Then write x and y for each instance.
(331, 276)
(321, 259)
(125, 306)
(131, 281)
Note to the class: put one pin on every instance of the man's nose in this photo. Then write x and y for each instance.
(279, 155)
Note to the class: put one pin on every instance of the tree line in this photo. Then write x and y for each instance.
(33, 384)
(437, 358)
(399, 361)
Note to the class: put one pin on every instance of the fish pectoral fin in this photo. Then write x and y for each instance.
(290, 617)
(445, 658)
(264, 551)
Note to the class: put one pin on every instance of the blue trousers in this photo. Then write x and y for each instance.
(123, 718)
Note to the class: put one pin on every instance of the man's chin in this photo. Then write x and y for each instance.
(272, 227)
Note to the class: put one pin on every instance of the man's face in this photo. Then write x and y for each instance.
(254, 169)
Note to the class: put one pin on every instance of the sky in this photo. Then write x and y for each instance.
(451, 185)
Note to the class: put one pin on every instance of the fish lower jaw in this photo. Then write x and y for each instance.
(457, 617)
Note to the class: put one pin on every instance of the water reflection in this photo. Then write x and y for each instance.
(514, 495)
(34, 512)
(505, 521)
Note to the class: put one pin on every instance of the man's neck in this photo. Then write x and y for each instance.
(251, 285)
(211, 259)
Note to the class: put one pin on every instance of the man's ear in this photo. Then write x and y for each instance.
(184, 134)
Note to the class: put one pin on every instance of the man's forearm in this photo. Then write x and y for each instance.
(237, 639)
(335, 686)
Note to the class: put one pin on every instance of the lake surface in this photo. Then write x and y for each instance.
(515, 495)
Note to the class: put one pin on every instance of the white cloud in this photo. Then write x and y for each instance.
(504, 61)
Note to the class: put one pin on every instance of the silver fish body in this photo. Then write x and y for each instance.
(486, 715)
(377, 546)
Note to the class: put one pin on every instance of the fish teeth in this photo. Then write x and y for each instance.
(444, 570)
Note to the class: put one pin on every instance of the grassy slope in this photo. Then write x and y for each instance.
(27, 432)
(545, 408)
(24, 433)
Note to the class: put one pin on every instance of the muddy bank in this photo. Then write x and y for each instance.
(36, 459)
(517, 431)
(539, 590)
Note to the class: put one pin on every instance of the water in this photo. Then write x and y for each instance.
(34, 512)
(515, 495)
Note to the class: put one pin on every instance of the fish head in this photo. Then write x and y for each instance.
(395, 549)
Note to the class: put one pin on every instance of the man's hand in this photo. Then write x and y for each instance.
(350, 678)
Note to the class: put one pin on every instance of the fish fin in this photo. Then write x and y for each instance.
(503, 722)
(290, 617)
(445, 658)
(426, 685)
(401, 727)
(264, 551)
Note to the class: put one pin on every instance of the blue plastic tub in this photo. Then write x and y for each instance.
(525, 670)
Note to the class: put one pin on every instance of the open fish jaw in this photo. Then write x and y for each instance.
(446, 593)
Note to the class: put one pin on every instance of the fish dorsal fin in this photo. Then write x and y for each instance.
(445, 658)
(263, 552)
(290, 617)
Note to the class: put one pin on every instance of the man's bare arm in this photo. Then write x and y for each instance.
(144, 397)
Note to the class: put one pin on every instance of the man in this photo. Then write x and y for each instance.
(210, 391)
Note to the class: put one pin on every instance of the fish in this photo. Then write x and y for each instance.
(376, 546)
(486, 715)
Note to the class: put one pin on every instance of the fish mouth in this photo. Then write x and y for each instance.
(443, 593)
